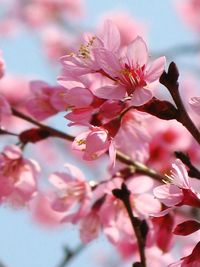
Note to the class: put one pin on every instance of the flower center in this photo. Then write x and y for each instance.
(84, 50)
(133, 78)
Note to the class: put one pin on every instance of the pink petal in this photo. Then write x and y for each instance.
(79, 97)
(168, 194)
(40, 109)
(141, 96)
(107, 61)
(112, 154)
(58, 180)
(140, 184)
(146, 204)
(110, 92)
(97, 143)
(5, 108)
(155, 70)
(111, 36)
(137, 53)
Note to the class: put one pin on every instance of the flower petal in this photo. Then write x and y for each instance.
(155, 70)
(141, 96)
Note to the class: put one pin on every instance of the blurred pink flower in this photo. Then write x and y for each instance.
(41, 105)
(17, 177)
(189, 10)
(42, 212)
(73, 194)
(90, 227)
(129, 28)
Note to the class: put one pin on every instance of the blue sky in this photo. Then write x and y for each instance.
(24, 244)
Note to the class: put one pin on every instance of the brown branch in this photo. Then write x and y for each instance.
(124, 195)
(170, 81)
(139, 167)
(53, 132)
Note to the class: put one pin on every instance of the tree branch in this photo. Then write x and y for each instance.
(139, 167)
(124, 195)
(170, 81)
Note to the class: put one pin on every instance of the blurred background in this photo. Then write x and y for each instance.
(33, 36)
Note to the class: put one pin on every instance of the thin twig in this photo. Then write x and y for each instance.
(54, 132)
(69, 255)
(2, 131)
(124, 195)
(170, 81)
(139, 167)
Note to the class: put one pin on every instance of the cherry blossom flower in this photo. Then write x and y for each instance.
(133, 130)
(83, 61)
(73, 194)
(94, 143)
(189, 11)
(113, 215)
(11, 85)
(45, 101)
(165, 137)
(181, 190)
(17, 177)
(130, 71)
(42, 211)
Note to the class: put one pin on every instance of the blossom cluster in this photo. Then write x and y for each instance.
(107, 91)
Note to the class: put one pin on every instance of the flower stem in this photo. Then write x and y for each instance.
(139, 167)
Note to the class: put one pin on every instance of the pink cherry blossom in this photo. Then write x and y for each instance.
(94, 143)
(133, 131)
(73, 194)
(181, 190)
(130, 71)
(83, 61)
(113, 215)
(11, 85)
(56, 42)
(165, 138)
(42, 212)
(189, 11)
(40, 105)
(17, 176)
